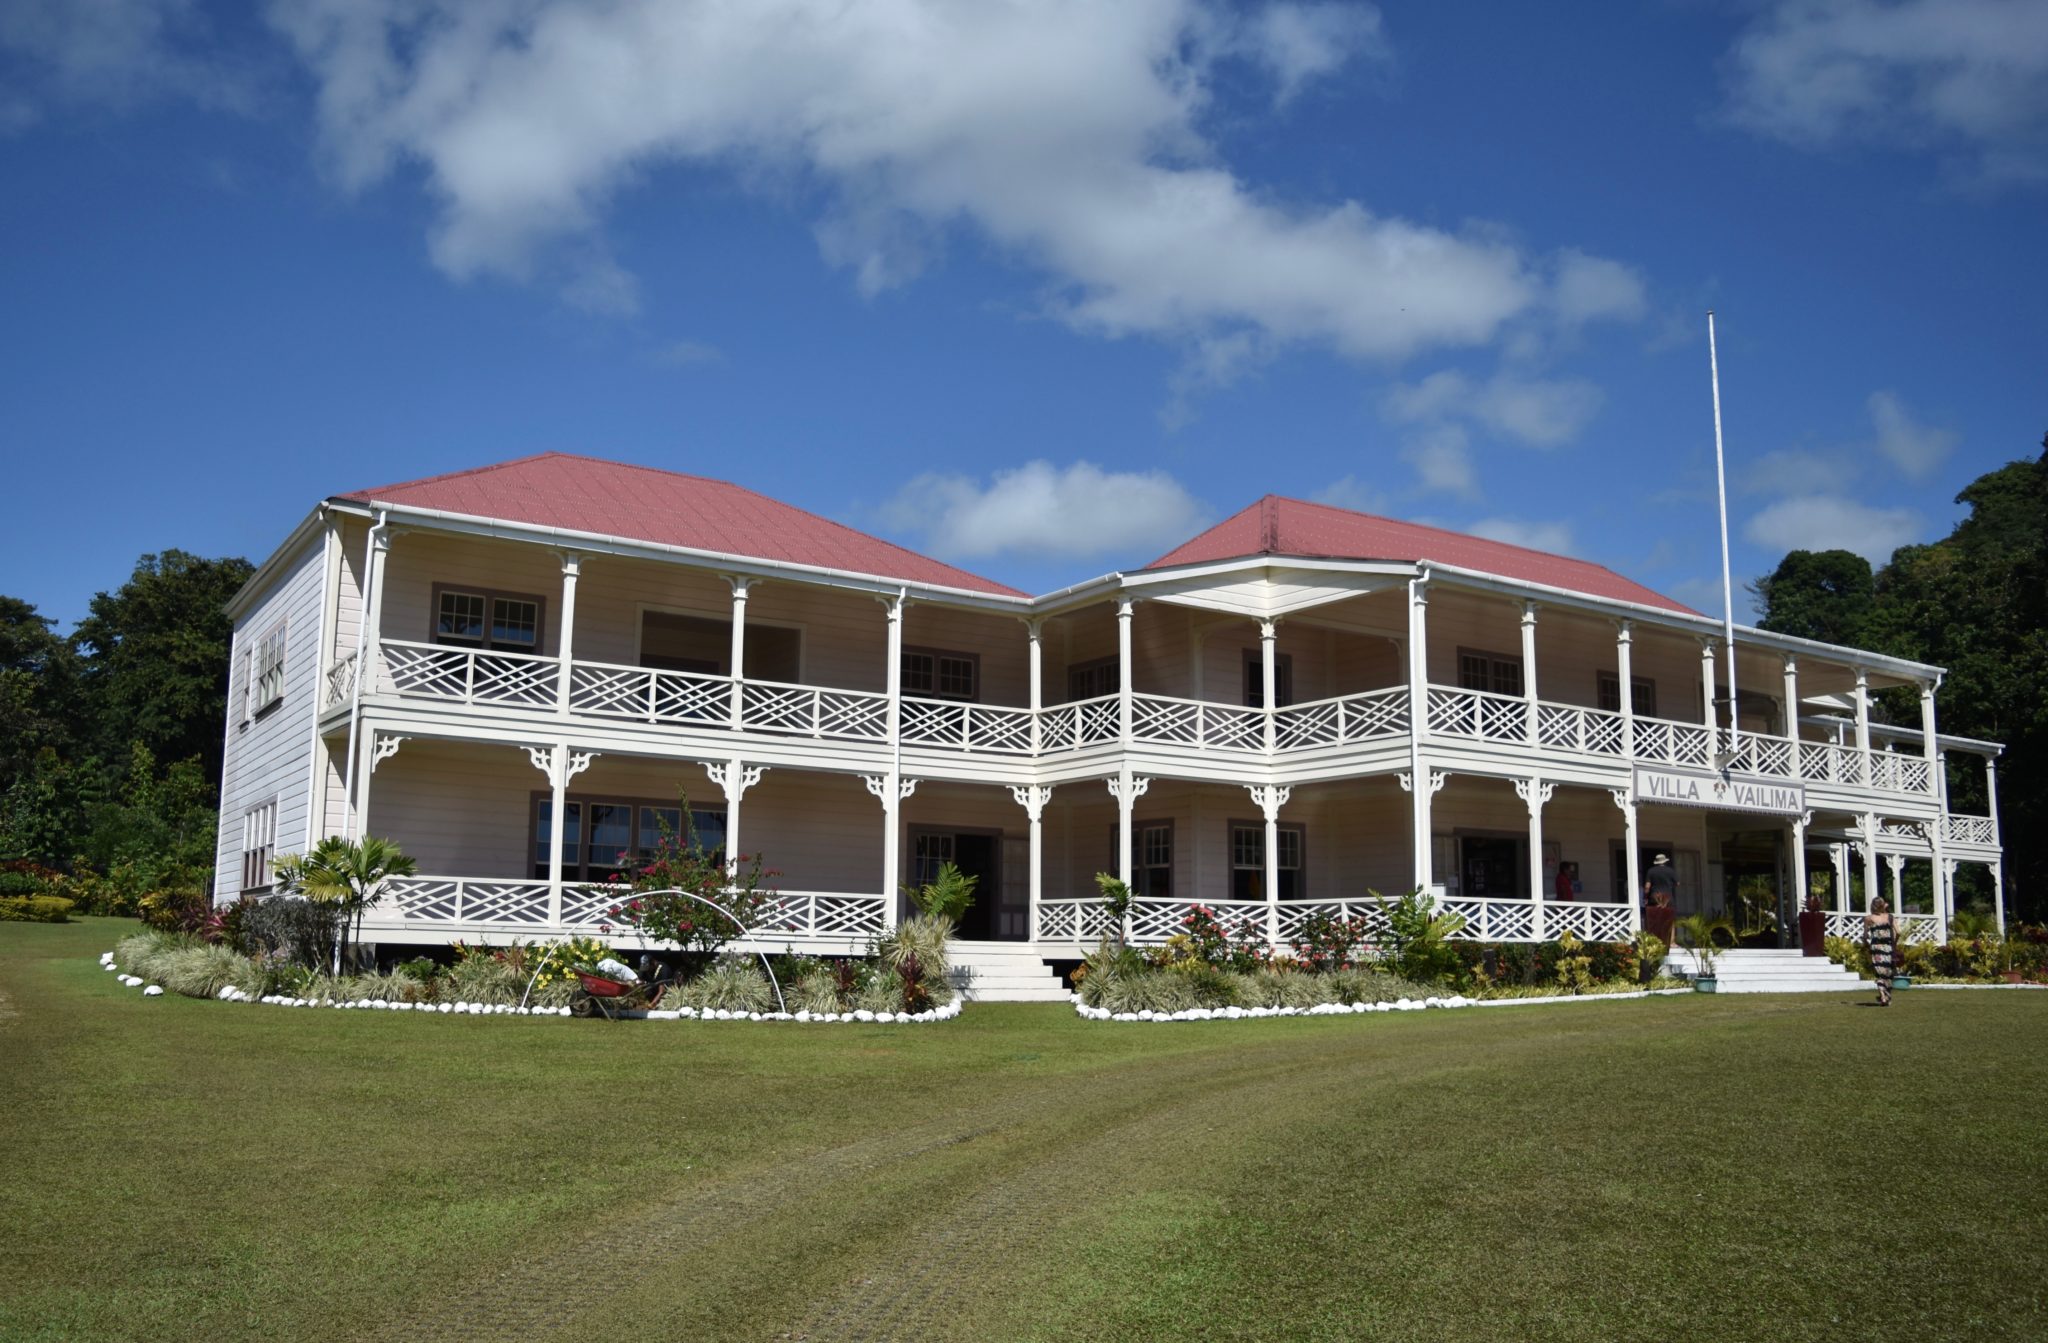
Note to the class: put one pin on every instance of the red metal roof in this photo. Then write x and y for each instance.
(641, 503)
(1277, 526)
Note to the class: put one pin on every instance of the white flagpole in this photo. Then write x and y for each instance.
(1727, 585)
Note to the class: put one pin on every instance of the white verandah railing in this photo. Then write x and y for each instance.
(1970, 830)
(1919, 929)
(651, 695)
(1151, 922)
(430, 904)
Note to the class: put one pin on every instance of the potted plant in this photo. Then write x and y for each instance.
(1696, 933)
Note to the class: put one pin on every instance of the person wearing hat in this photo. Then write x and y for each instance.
(1660, 883)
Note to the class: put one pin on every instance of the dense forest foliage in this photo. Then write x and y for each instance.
(1975, 602)
(111, 738)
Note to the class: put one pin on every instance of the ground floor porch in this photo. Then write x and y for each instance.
(515, 840)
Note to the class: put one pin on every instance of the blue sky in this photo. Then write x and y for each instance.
(1038, 287)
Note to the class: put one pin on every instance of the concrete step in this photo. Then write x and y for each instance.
(1007, 972)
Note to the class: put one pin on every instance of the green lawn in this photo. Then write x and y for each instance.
(1693, 1167)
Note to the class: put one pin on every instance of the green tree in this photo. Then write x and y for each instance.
(1976, 603)
(154, 659)
(1827, 595)
(37, 685)
(346, 874)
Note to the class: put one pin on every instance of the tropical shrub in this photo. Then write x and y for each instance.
(947, 896)
(174, 911)
(1329, 942)
(35, 909)
(1574, 967)
(1418, 938)
(1650, 950)
(1116, 901)
(345, 873)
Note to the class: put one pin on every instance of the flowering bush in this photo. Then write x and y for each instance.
(567, 957)
(681, 893)
(1327, 942)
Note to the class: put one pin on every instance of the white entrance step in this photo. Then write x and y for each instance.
(1770, 971)
(1002, 972)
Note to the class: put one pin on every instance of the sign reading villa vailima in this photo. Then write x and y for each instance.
(1677, 788)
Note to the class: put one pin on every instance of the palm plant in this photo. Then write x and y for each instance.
(1697, 932)
(346, 874)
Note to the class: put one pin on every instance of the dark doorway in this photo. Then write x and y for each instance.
(979, 854)
(1491, 866)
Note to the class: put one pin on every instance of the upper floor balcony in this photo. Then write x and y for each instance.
(520, 691)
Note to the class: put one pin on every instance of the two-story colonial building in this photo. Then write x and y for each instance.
(519, 672)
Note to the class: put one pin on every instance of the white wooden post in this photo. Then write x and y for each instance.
(1998, 893)
(558, 803)
(1870, 880)
(1799, 825)
(1930, 740)
(1421, 793)
(1123, 672)
(1897, 863)
(890, 790)
(1710, 715)
(1632, 861)
(1991, 796)
(1035, 630)
(1838, 858)
(740, 587)
(1792, 709)
(565, 653)
(371, 663)
(1534, 792)
(1532, 720)
(1270, 799)
(1126, 788)
(733, 778)
(1033, 797)
(1863, 771)
(1268, 679)
(1624, 661)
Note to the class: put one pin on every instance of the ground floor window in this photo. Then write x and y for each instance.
(1151, 858)
(601, 835)
(259, 838)
(1248, 861)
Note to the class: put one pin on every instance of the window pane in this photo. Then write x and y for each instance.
(656, 823)
(572, 836)
(956, 677)
(1474, 673)
(917, 673)
(1507, 678)
(1247, 846)
(462, 616)
(1290, 848)
(611, 834)
(1158, 846)
(514, 622)
(709, 827)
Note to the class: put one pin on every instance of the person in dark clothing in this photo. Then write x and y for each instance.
(1660, 881)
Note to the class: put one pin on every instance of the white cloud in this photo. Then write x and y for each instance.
(1068, 132)
(1914, 448)
(1352, 493)
(1968, 74)
(688, 354)
(1039, 509)
(1442, 458)
(1591, 289)
(1542, 412)
(1555, 537)
(116, 53)
(1793, 471)
(1830, 522)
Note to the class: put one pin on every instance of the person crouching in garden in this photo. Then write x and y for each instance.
(1882, 939)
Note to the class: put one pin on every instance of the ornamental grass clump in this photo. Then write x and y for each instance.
(729, 984)
(196, 971)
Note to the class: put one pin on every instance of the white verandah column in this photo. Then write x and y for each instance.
(1863, 770)
(1126, 788)
(1269, 800)
(1624, 661)
(1791, 693)
(889, 790)
(1033, 797)
(1123, 672)
(738, 655)
(1632, 860)
(1535, 793)
(1870, 878)
(565, 644)
(733, 778)
(1711, 716)
(1034, 630)
(1417, 781)
(559, 764)
(1998, 893)
(1269, 680)
(1799, 881)
(1531, 714)
(372, 617)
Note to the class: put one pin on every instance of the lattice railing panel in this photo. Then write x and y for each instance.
(466, 900)
(1674, 743)
(341, 681)
(972, 727)
(1087, 722)
(1478, 713)
(1971, 829)
(1590, 923)
(1084, 921)
(1492, 920)
(822, 914)
(810, 711)
(1295, 915)
(1571, 727)
(1335, 722)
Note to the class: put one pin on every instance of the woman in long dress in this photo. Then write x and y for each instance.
(1882, 939)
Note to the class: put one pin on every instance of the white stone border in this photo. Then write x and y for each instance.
(231, 994)
(1353, 1009)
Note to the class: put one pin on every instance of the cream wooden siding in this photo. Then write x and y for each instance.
(269, 756)
(348, 596)
(1001, 642)
(417, 561)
